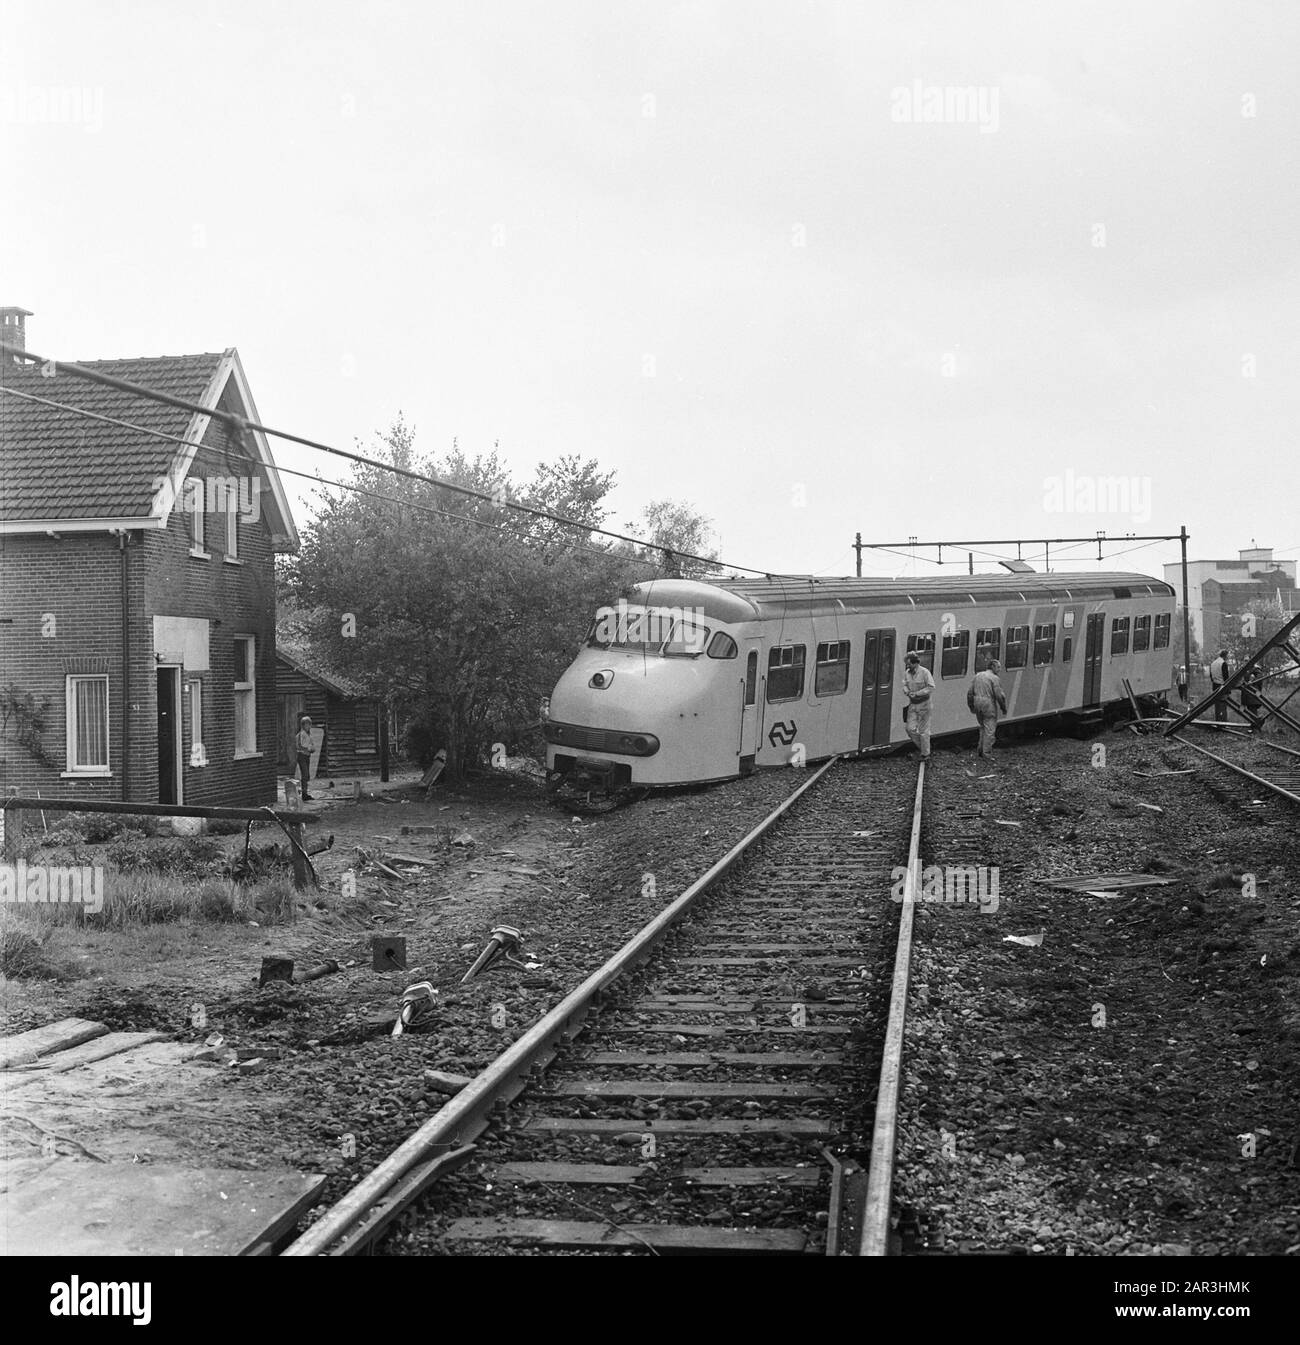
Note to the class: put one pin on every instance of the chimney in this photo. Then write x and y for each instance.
(13, 329)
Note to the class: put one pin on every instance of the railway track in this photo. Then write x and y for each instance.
(710, 1089)
(1282, 779)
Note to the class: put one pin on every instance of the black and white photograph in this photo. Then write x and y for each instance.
(650, 630)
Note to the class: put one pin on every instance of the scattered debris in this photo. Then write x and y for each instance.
(417, 1000)
(504, 942)
(326, 968)
(1153, 807)
(442, 1082)
(430, 777)
(462, 838)
(1026, 940)
(275, 969)
(1106, 882)
(387, 952)
(999, 822)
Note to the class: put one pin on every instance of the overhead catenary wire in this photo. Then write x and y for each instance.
(227, 453)
(239, 425)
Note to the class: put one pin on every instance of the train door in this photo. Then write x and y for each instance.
(749, 712)
(877, 686)
(1094, 645)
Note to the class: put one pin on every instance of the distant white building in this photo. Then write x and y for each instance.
(1254, 569)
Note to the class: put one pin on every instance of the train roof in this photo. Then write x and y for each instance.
(749, 599)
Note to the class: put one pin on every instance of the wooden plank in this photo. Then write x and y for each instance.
(776, 1006)
(98, 1048)
(738, 946)
(607, 1174)
(151, 1209)
(685, 1088)
(754, 1176)
(591, 1125)
(570, 1233)
(785, 1059)
(717, 1030)
(767, 961)
(40, 1041)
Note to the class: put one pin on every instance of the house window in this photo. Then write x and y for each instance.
(87, 725)
(1162, 631)
(1119, 635)
(785, 663)
(366, 723)
(1044, 645)
(1017, 646)
(832, 678)
(923, 647)
(198, 753)
(245, 690)
(232, 526)
(1141, 633)
(956, 653)
(195, 501)
(988, 646)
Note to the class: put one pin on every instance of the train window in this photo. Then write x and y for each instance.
(923, 647)
(832, 675)
(1141, 633)
(1044, 645)
(956, 654)
(751, 677)
(1119, 636)
(1017, 646)
(785, 663)
(885, 667)
(988, 646)
(1162, 631)
(686, 639)
(722, 646)
(1067, 649)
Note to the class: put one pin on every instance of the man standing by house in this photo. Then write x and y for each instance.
(987, 701)
(1219, 674)
(303, 744)
(918, 686)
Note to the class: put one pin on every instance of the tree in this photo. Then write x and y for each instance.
(461, 611)
(677, 531)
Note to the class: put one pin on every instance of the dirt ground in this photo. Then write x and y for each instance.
(1023, 1125)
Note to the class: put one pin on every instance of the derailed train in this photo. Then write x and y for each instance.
(683, 681)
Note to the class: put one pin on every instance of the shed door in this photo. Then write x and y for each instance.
(1095, 644)
(877, 686)
(293, 705)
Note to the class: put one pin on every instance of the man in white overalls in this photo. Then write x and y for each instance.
(918, 685)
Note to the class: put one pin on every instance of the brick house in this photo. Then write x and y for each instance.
(137, 585)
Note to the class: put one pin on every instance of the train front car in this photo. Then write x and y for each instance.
(654, 694)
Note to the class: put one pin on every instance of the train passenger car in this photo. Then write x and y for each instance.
(684, 681)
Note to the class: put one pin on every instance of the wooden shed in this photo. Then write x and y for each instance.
(351, 721)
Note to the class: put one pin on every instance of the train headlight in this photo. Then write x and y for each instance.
(602, 679)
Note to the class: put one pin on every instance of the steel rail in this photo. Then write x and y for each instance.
(468, 1113)
(874, 1239)
(1241, 770)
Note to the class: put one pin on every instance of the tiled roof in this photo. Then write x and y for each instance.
(55, 464)
(304, 660)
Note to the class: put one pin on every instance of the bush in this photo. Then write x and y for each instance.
(23, 954)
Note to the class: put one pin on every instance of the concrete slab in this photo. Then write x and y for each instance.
(143, 1209)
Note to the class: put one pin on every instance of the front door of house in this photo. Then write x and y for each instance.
(169, 735)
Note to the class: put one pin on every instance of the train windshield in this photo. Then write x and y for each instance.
(669, 632)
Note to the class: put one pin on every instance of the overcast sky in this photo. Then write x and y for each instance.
(725, 249)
